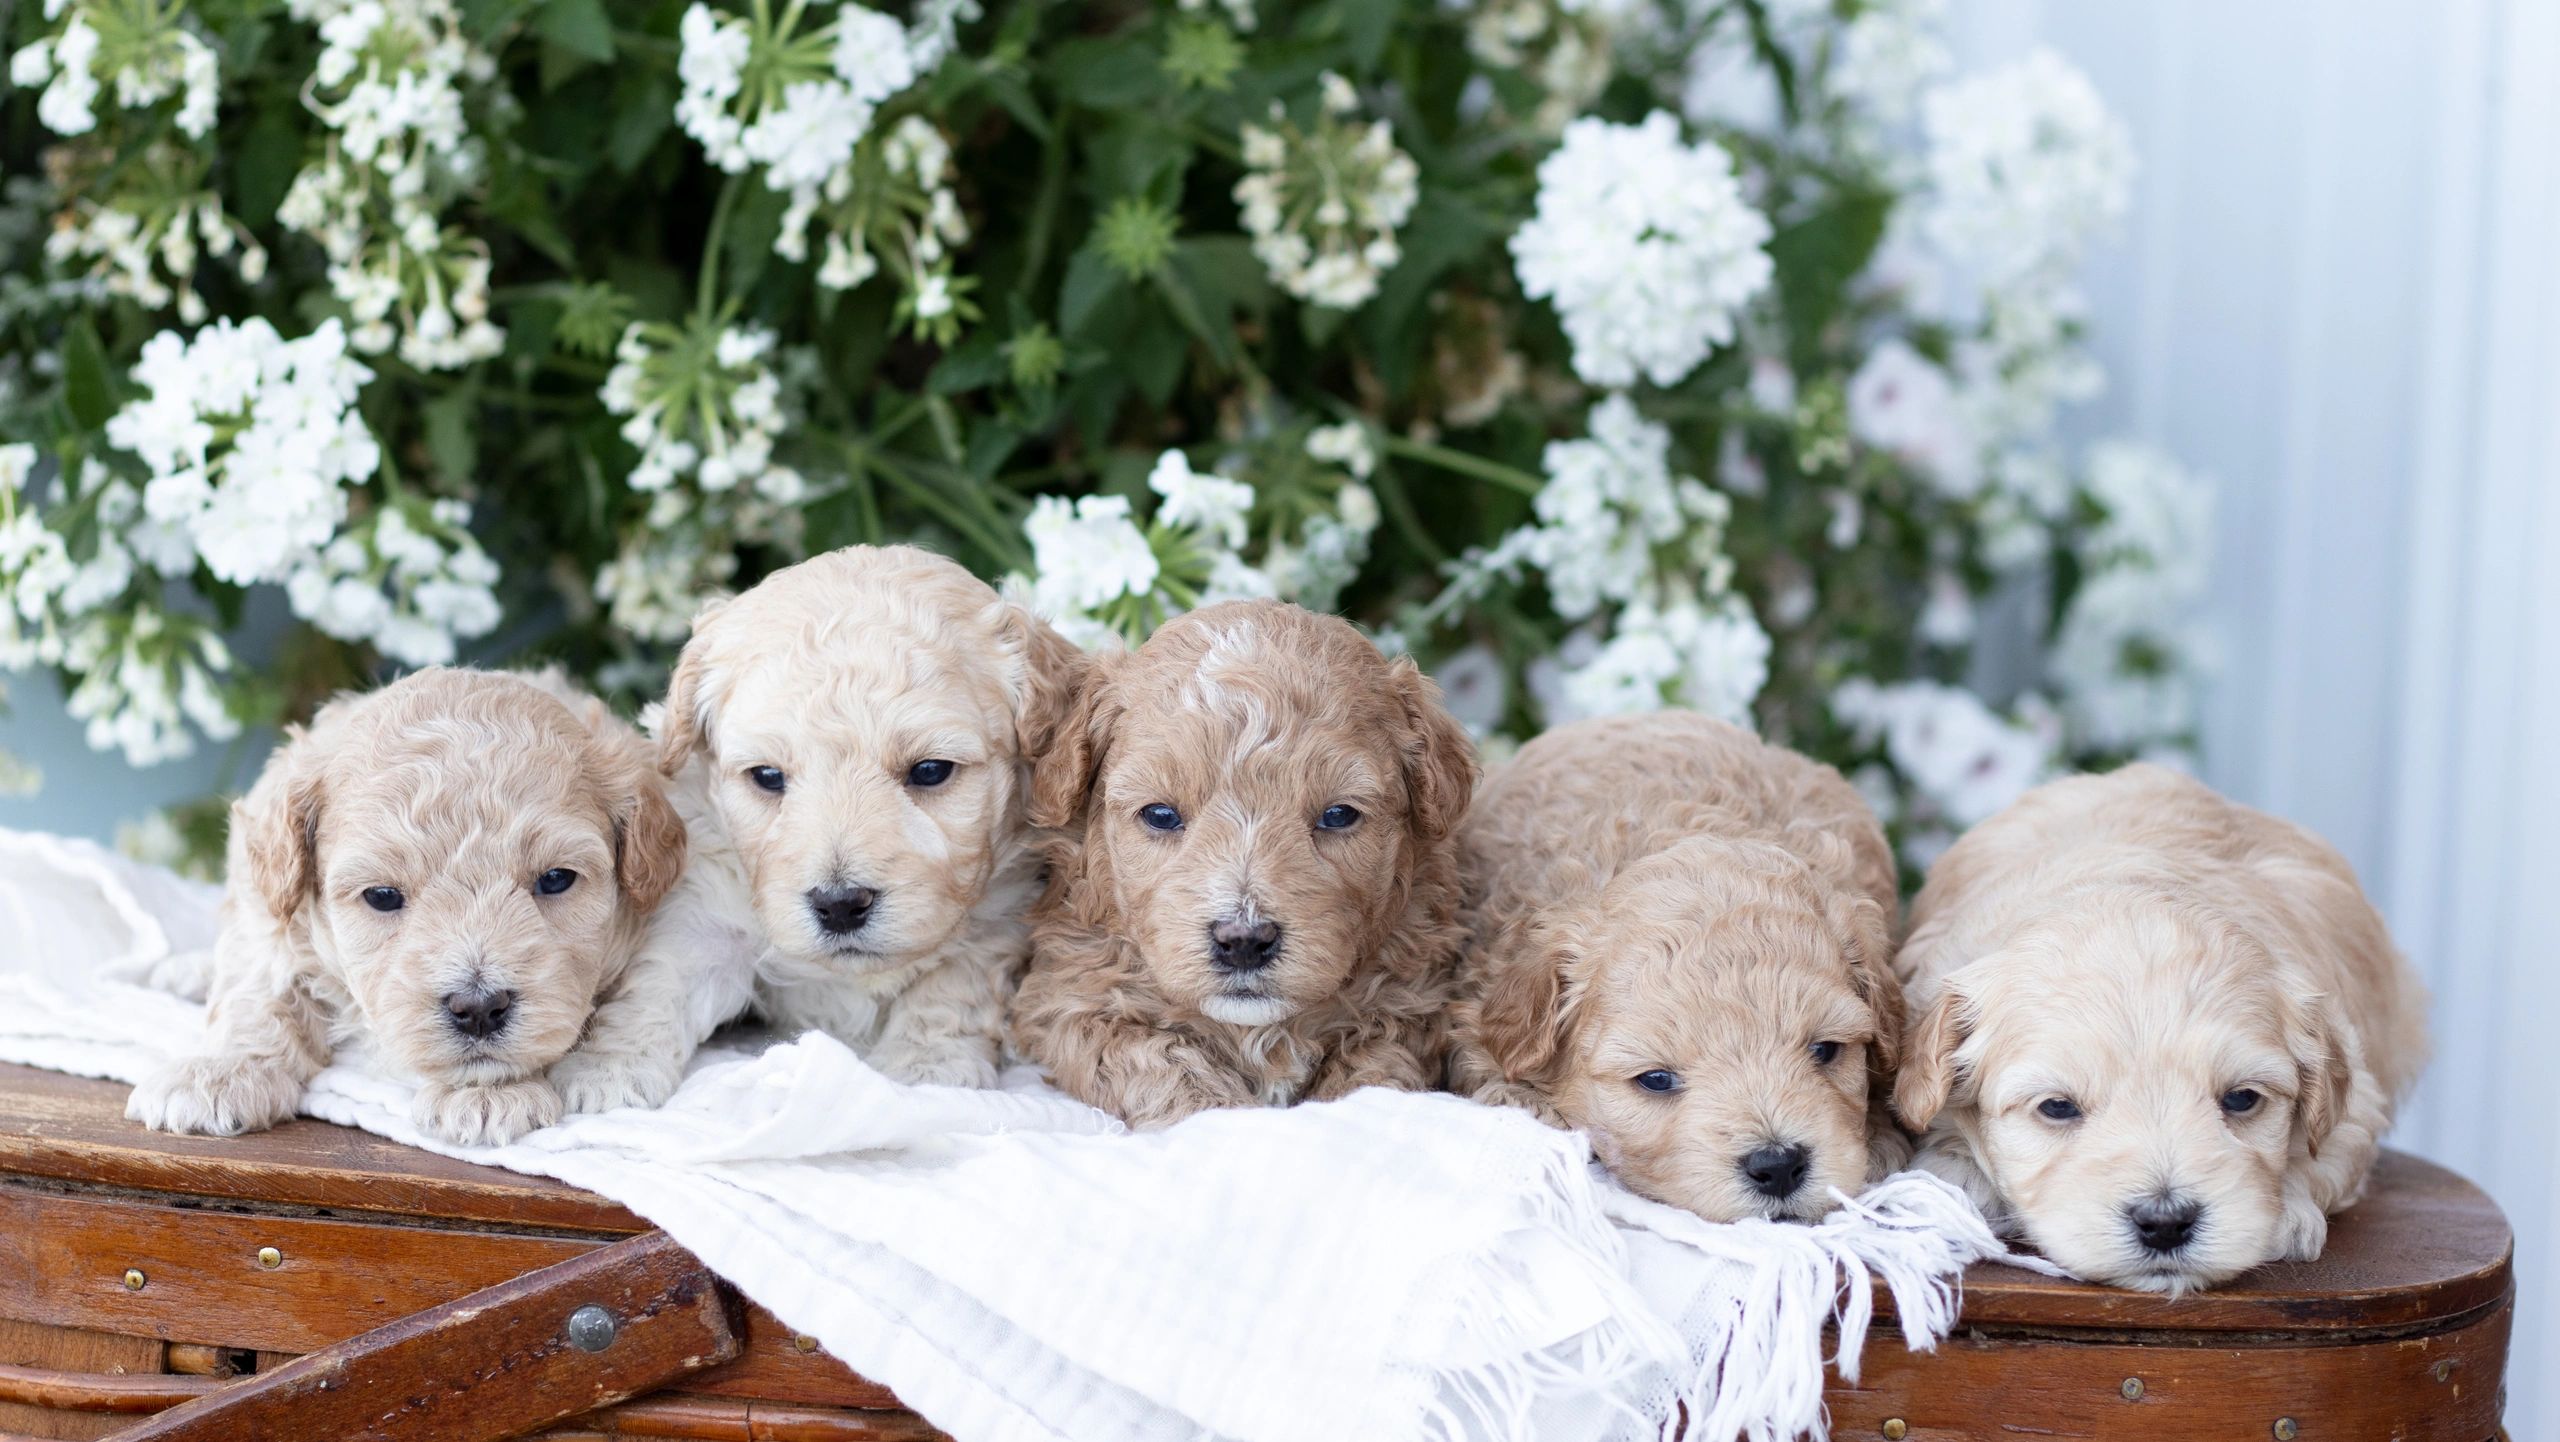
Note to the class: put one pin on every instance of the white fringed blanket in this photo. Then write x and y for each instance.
(1016, 1266)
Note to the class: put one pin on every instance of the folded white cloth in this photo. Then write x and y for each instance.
(1015, 1265)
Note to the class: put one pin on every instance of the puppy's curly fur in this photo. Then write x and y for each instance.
(794, 728)
(1314, 787)
(448, 796)
(2143, 1002)
(1668, 898)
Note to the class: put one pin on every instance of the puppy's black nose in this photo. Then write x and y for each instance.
(480, 1013)
(1777, 1172)
(840, 909)
(1236, 945)
(2163, 1224)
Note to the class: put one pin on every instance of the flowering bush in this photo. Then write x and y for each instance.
(1606, 354)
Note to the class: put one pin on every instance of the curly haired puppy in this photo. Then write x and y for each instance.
(2163, 1034)
(1256, 901)
(849, 742)
(1682, 938)
(458, 867)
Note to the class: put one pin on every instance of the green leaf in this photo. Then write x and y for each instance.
(270, 155)
(1817, 257)
(644, 107)
(453, 442)
(580, 27)
(1107, 73)
(1090, 281)
(1368, 25)
(88, 387)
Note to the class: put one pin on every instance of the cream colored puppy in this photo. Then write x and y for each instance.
(458, 867)
(849, 743)
(1254, 897)
(2163, 1033)
(1681, 946)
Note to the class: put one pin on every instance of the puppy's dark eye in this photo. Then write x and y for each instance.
(929, 773)
(2240, 1101)
(768, 777)
(1160, 817)
(1658, 1081)
(2059, 1109)
(1825, 1053)
(558, 879)
(384, 898)
(1338, 818)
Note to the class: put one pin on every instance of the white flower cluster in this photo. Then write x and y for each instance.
(1323, 205)
(1101, 574)
(1239, 13)
(143, 51)
(704, 408)
(1901, 403)
(410, 592)
(1964, 761)
(1616, 529)
(144, 240)
(2025, 166)
(1645, 244)
(1561, 46)
(2124, 660)
(389, 86)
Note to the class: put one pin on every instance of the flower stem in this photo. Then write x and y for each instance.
(1510, 477)
(709, 291)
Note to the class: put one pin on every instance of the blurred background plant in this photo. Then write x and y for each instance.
(1605, 354)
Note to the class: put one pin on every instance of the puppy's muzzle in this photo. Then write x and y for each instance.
(2163, 1224)
(480, 1012)
(841, 910)
(1238, 947)
(1777, 1171)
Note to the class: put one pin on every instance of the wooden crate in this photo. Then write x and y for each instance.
(139, 1272)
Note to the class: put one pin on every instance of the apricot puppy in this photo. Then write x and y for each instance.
(850, 743)
(1254, 891)
(1681, 941)
(2162, 1033)
(458, 867)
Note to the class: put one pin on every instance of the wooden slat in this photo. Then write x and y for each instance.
(73, 1128)
(492, 1365)
(110, 1357)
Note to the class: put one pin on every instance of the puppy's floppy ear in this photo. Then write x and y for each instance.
(1528, 1004)
(1928, 1074)
(1053, 674)
(1063, 772)
(1865, 932)
(685, 726)
(1439, 757)
(279, 830)
(648, 841)
(2311, 1034)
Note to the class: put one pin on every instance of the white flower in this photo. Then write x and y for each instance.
(1888, 55)
(17, 462)
(2025, 165)
(1209, 504)
(1610, 502)
(1323, 205)
(1088, 552)
(1645, 245)
(1712, 659)
(2126, 657)
(810, 135)
(1968, 761)
(1902, 405)
(871, 54)
(1345, 445)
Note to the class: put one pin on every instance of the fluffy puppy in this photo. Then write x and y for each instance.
(2162, 1033)
(1681, 945)
(848, 742)
(458, 867)
(1253, 899)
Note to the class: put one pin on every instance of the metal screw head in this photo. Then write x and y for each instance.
(802, 1341)
(2442, 1371)
(2286, 1431)
(270, 1258)
(133, 1279)
(592, 1328)
(2132, 1389)
(1895, 1429)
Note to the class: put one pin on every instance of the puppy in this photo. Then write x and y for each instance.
(1254, 894)
(1681, 944)
(2162, 1033)
(848, 742)
(458, 867)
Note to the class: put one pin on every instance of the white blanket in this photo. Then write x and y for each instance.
(1015, 1265)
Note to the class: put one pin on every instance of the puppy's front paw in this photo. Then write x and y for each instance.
(486, 1116)
(593, 1081)
(949, 1062)
(2303, 1229)
(214, 1096)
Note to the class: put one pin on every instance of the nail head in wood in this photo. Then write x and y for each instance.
(2286, 1430)
(1895, 1429)
(270, 1258)
(802, 1341)
(133, 1279)
(592, 1328)
(2132, 1389)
